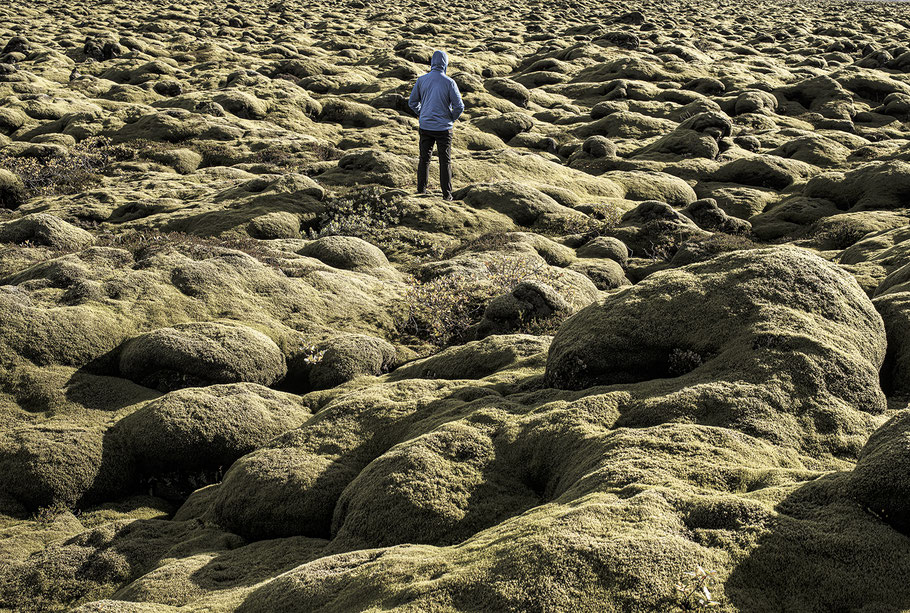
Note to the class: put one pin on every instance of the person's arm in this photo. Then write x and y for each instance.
(414, 100)
(455, 101)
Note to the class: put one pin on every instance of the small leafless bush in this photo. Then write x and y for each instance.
(442, 310)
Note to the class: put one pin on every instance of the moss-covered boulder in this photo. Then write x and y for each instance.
(476, 359)
(764, 171)
(206, 428)
(655, 229)
(101, 559)
(62, 464)
(697, 136)
(204, 353)
(11, 119)
(880, 479)
(652, 185)
(598, 146)
(893, 304)
(823, 95)
(346, 252)
(182, 160)
(425, 517)
(529, 302)
(747, 309)
(365, 166)
(523, 204)
(342, 358)
(291, 485)
(12, 190)
(817, 150)
(606, 273)
(843, 230)
(755, 101)
(873, 186)
(278, 224)
(709, 216)
(605, 247)
(791, 216)
(514, 92)
(507, 125)
(45, 229)
(242, 104)
(73, 335)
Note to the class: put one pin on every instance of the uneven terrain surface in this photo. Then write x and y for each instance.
(664, 326)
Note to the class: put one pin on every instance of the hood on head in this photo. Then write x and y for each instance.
(440, 61)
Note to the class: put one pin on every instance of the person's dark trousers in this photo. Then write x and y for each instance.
(443, 141)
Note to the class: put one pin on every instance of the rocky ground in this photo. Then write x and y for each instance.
(658, 343)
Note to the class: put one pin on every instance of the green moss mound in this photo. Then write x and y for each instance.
(739, 299)
(45, 229)
(201, 353)
(62, 464)
(879, 480)
(12, 191)
(344, 358)
(204, 428)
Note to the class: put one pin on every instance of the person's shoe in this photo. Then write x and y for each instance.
(448, 197)
(421, 192)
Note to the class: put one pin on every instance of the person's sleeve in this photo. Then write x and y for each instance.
(456, 102)
(414, 100)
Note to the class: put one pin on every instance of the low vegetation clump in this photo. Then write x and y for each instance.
(600, 221)
(50, 513)
(176, 486)
(663, 243)
(719, 242)
(364, 213)
(693, 590)
(324, 151)
(76, 170)
(143, 243)
(216, 153)
(277, 156)
(442, 310)
(838, 236)
(682, 361)
(490, 241)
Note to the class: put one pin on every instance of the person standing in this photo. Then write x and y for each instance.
(436, 100)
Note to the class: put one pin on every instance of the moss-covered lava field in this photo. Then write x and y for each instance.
(654, 356)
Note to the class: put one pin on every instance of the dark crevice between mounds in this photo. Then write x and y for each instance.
(886, 377)
(662, 363)
(297, 380)
(537, 479)
(177, 486)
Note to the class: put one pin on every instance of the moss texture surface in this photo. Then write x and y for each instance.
(663, 325)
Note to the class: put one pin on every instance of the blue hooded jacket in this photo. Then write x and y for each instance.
(435, 97)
